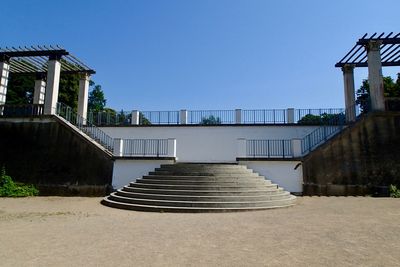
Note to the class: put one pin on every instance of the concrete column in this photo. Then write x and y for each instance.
(52, 87)
(290, 115)
(375, 78)
(296, 148)
(118, 147)
(39, 90)
(241, 149)
(83, 96)
(349, 93)
(183, 118)
(135, 117)
(171, 148)
(4, 72)
(238, 116)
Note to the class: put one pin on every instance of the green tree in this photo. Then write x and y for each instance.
(20, 89)
(390, 87)
(97, 101)
(210, 120)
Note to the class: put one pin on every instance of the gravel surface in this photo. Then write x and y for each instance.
(318, 231)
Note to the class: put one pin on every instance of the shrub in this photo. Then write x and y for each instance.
(211, 120)
(8, 188)
(394, 191)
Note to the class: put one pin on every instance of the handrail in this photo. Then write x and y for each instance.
(269, 148)
(85, 126)
(21, 110)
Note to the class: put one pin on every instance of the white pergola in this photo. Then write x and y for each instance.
(47, 64)
(373, 52)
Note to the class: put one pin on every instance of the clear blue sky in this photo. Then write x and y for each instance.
(206, 54)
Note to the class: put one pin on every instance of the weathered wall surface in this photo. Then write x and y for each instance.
(45, 152)
(366, 154)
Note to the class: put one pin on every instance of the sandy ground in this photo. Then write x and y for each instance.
(318, 231)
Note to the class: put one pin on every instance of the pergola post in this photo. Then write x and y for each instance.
(39, 90)
(349, 92)
(83, 96)
(4, 72)
(375, 78)
(53, 82)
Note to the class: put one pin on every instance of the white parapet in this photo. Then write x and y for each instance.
(290, 115)
(53, 82)
(135, 117)
(183, 116)
(238, 116)
(118, 147)
(241, 148)
(296, 148)
(171, 148)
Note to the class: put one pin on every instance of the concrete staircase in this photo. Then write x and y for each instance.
(200, 187)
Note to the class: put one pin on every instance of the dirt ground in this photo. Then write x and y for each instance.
(318, 231)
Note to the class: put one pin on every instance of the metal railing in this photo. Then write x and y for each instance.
(269, 148)
(23, 110)
(158, 117)
(264, 116)
(85, 126)
(105, 118)
(145, 147)
(211, 117)
(301, 113)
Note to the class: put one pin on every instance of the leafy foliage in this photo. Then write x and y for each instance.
(324, 119)
(20, 89)
(391, 89)
(394, 191)
(97, 101)
(211, 120)
(8, 188)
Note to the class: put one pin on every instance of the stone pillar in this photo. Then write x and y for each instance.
(290, 115)
(118, 147)
(40, 90)
(183, 116)
(135, 117)
(241, 149)
(296, 148)
(238, 116)
(375, 78)
(349, 93)
(171, 148)
(4, 72)
(52, 87)
(83, 96)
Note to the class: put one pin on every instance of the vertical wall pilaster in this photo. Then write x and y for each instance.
(52, 87)
(349, 92)
(375, 78)
(83, 96)
(4, 73)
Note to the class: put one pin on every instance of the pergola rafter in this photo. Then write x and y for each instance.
(34, 60)
(389, 48)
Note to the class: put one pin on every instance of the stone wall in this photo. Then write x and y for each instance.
(365, 155)
(47, 153)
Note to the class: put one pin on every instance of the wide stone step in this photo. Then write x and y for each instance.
(201, 204)
(203, 187)
(188, 173)
(204, 178)
(219, 198)
(120, 205)
(208, 183)
(254, 192)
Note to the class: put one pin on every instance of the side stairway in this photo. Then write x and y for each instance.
(198, 187)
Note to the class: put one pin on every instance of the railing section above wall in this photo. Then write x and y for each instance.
(264, 116)
(23, 110)
(158, 117)
(210, 117)
(145, 147)
(269, 148)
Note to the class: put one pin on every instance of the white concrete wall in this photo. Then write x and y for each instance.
(282, 173)
(126, 171)
(209, 143)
